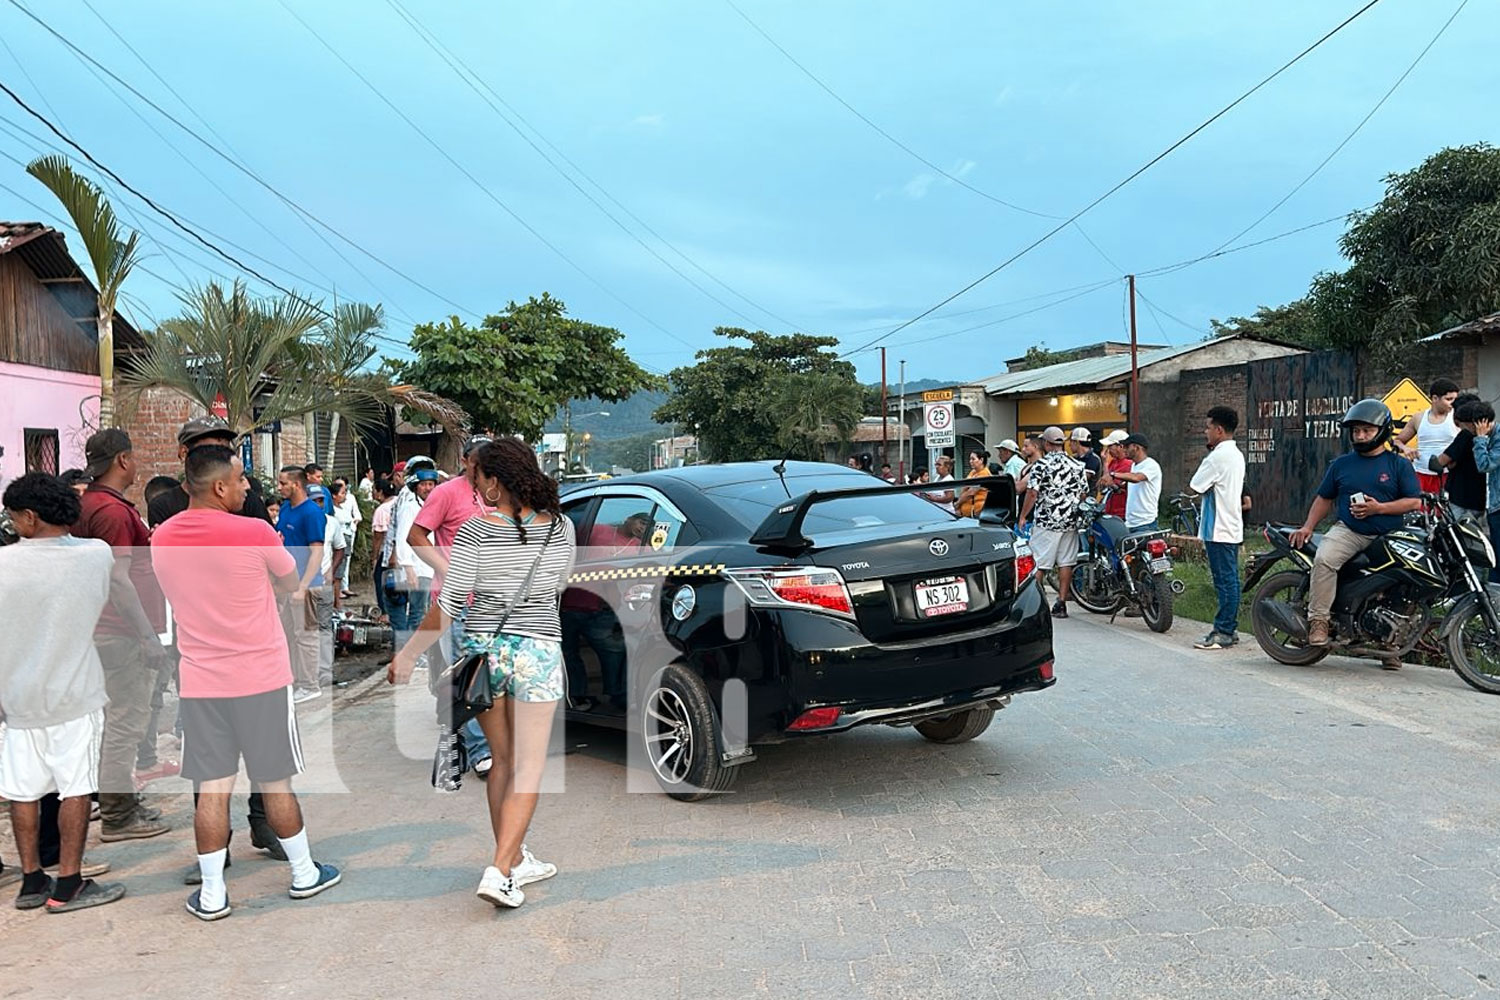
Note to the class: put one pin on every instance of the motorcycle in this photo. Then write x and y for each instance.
(1387, 596)
(1117, 568)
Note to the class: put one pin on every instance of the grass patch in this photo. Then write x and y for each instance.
(1199, 602)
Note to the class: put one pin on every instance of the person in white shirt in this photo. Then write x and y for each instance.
(405, 572)
(335, 558)
(946, 498)
(1220, 480)
(346, 512)
(1434, 430)
(1143, 492)
(366, 487)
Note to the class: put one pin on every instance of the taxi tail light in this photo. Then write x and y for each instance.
(1025, 565)
(816, 718)
(811, 587)
(1157, 547)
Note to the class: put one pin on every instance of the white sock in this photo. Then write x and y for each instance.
(299, 856)
(213, 895)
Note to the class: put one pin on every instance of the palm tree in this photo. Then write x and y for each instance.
(111, 257)
(265, 360)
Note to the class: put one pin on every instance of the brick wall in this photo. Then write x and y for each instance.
(1422, 363)
(296, 443)
(152, 419)
(1198, 390)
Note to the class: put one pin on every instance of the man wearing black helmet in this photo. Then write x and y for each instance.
(1371, 488)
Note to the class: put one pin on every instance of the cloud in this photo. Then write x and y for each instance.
(649, 121)
(917, 187)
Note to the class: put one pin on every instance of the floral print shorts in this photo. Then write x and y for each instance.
(521, 667)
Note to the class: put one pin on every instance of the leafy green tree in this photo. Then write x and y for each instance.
(1425, 258)
(112, 257)
(1038, 356)
(764, 398)
(265, 360)
(512, 371)
(1293, 323)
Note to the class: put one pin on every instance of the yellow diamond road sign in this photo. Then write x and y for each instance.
(1406, 400)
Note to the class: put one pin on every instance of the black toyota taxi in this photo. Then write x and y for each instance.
(716, 608)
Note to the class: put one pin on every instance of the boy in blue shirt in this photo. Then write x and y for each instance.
(1372, 488)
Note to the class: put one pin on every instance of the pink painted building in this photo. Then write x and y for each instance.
(49, 355)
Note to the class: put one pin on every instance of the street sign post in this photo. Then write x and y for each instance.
(938, 418)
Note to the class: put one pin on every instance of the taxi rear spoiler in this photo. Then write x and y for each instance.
(782, 528)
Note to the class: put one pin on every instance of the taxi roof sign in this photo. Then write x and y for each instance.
(1406, 400)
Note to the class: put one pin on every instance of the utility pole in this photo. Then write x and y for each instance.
(1135, 372)
(901, 442)
(885, 444)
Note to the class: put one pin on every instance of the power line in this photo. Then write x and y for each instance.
(488, 192)
(1000, 321)
(1132, 176)
(1170, 268)
(1352, 132)
(298, 215)
(474, 81)
(1176, 319)
(242, 168)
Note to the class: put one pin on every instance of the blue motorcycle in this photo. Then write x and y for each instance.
(1119, 569)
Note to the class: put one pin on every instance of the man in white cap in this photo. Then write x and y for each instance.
(1115, 463)
(1078, 445)
(1055, 487)
(1011, 462)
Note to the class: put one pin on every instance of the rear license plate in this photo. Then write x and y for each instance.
(945, 596)
(1161, 565)
(360, 637)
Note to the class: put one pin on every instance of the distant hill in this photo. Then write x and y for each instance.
(632, 418)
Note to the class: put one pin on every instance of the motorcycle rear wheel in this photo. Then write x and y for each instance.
(1091, 591)
(1289, 586)
(1156, 602)
(1474, 653)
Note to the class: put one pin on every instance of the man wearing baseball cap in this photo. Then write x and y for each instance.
(1011, 462)
(1116, 462)
(1078, 447)
(126, 634)
(1143, 484)
(200, 430)
(1055, 487)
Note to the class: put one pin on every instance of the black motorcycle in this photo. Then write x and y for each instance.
(1389, 596)
(1117, 569)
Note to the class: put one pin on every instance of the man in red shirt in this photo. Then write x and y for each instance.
(1115, 461)
(236, 670)
(126, 635)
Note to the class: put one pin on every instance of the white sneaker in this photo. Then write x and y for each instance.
(299, 695)
(499, 889)
(530, 869)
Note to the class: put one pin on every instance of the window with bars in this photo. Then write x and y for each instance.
(41, 450)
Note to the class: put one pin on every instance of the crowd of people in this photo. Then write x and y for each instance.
(229, 595)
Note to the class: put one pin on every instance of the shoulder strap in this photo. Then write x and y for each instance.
(524, 592)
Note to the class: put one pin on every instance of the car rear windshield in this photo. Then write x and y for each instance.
(752, 503)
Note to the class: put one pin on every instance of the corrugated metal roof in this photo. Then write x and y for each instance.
(1085, 371)
(44, 251)
(1484, 324)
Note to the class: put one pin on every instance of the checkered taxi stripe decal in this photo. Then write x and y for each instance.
(638, 572)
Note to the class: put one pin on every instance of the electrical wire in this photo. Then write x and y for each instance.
(484, 188)
(1132, 176)
(488, 94)
(241, 167)
(1352, 132)
(1002, 320)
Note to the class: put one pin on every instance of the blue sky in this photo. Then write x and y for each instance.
(707, 134)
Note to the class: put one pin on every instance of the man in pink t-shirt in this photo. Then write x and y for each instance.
(220, 573)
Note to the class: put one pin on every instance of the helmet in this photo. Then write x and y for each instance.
(414, 465)
(1374, 413)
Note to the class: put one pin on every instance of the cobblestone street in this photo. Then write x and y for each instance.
(1162, 823)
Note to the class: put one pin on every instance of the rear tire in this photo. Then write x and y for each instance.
(1089, 590)
(1469, 636)
(682, 738)
(1291, 586)
(960, 727)
(1156, 602)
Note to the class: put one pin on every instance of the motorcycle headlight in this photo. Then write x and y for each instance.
(1477, 547)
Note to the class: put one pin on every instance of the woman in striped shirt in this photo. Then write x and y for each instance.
(487, 568)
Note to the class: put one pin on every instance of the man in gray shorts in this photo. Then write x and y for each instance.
(1055, 487)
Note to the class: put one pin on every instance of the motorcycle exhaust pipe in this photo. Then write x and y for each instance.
(1282, 616)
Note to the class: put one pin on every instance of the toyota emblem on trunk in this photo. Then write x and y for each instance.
(937, 547)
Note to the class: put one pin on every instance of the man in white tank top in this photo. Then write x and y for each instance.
(1433, 430)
